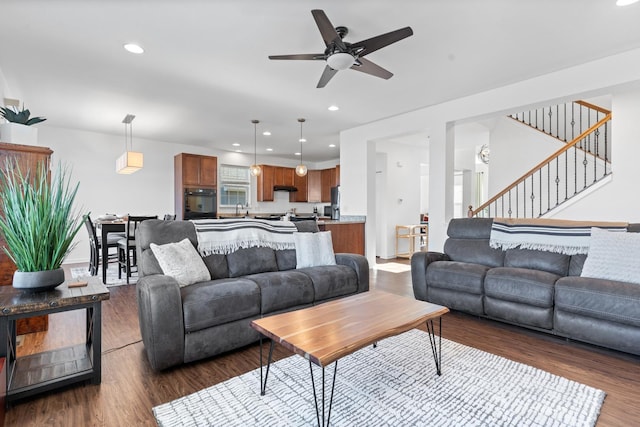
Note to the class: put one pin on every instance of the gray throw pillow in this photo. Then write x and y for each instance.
(314, 249)
(182, 262)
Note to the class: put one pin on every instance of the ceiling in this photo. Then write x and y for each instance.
(205, 73)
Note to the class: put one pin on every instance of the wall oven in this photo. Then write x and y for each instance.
(200, 203)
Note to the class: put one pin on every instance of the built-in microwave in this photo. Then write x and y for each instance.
(200, 203)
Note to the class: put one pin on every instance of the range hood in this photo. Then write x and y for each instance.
(289, 188)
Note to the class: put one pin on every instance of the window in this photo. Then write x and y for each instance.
(235, 186)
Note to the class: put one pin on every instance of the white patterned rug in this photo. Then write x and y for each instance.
(112, 275)
(395, 384)
(393, 267)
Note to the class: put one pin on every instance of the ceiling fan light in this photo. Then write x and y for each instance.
(340, 61)
(301, 170)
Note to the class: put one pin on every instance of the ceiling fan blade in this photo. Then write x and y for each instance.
(328, 32)
(299, 56)
(369, 67)
(327, 74)
(378, 42)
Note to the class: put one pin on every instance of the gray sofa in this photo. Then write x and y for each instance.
(181, 325)
(535, 289)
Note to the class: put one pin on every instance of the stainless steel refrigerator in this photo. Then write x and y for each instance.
(335, 202)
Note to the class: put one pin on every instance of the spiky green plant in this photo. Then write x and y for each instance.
(23, 116)
(36, 217)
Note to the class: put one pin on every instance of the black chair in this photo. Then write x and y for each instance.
(127, 245)
(95, 245)
(169, 217)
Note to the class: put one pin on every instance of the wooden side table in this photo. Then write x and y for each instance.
(37, 373)
(410, 232)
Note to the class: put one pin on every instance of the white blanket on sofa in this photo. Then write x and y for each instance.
(560, 236)
(223, 236)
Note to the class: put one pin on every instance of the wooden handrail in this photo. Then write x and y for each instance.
(593, 107)
(568, 146)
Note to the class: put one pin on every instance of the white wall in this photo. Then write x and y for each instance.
(590, 79)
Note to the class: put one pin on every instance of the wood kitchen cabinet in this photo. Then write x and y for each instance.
(347, 237)
(265, 184)
(284, 176)
(26, 157)
(196, 170)
(192, 170)
(329, 178)
(314, 186)
(300, 182)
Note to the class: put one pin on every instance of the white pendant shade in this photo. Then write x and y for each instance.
(129, 162)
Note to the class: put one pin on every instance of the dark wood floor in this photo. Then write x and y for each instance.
(130, 388)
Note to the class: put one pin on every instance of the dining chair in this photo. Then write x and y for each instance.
(95, 245)
(127, 257)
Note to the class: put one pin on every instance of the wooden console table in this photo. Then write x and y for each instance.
(37, 373)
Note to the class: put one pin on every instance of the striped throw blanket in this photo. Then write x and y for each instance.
(223, 236)
(560, 236)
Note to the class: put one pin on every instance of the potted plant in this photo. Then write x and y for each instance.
(18, 128)
(38, 223)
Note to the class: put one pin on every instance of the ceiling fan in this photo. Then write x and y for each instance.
(340, 55)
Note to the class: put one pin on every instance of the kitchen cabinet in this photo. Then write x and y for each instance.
(314, 186)
(196, 170)
(26, 157)
(300, 182)
(266, 183)
(284, 176)
(347, 237)
(192, 171)
(329, 178)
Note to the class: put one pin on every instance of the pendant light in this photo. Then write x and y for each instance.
(301, 169)
(130, 161)
(255, 169)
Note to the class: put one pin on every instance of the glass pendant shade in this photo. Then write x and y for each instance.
(130, 161)
(255, 170)
(301, 170)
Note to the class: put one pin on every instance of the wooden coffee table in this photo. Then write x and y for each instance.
(324, 333)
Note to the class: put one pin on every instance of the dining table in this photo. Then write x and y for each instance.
(105, 227)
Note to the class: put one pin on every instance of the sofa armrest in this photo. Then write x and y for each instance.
(161, 320)
(419, 263)
(361, 266)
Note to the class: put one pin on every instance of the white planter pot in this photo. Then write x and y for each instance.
(16, 133)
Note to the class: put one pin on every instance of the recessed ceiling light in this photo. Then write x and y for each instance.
(236, 144)
(266, 133)
(133, 48)
(238, 151)
(296, 154)
(625, 2)
(302, 140)
(332, 145)
(269, 149)
(333, 108)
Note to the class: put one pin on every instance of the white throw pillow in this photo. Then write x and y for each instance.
(314, 249)
(613, 255)
(182, 262)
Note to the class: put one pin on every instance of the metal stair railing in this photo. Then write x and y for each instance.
(560, 177)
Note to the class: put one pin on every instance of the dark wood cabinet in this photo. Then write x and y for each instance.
(314, 186)
(300, 182)
(329, 178)
(265, 184)
(192, 170)
(196, 170)
(26, 157)
(347, 237)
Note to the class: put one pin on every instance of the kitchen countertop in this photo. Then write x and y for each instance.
(321, 219)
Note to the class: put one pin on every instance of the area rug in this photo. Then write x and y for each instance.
(112, 275)
(393, 267)
(395, 384)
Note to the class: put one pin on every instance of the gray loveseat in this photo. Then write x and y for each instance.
(531, 288)
(181, 325)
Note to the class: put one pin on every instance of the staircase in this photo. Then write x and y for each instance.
(582, 162)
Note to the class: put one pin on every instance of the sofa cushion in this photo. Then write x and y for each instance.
(599, 298)
(251, 261)
(537, 260)
(521, 285)
(331, 281)
(474, 251)
(217, 302)
(576, 263)
(217, 265)
(613, 256)
(457, 276)
(283, 289)
(286, 259)
(181, 261)
(314, 249)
